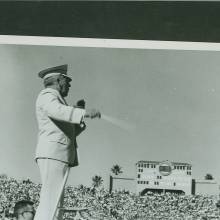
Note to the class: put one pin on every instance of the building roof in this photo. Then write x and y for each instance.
(158, 162)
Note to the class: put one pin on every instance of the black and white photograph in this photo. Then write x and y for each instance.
(105, 129)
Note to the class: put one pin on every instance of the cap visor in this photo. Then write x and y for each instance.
(69, 78)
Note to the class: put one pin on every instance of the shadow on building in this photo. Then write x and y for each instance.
(145, 191)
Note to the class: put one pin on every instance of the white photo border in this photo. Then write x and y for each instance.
(108, 43)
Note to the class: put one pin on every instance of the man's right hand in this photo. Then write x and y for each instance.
(92, 113)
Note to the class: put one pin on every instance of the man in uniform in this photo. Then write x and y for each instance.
(59, 125)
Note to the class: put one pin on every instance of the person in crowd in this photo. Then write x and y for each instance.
(24, 210)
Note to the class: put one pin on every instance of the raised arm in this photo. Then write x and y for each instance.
(51, 104)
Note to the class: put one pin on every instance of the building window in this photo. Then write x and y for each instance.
(174, 184)
(183, 168)
(188, 173)
(147, 182)
(144, 165)
(139, 176)
(147, 165)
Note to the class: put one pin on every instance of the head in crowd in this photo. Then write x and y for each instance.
(57, 78)
(24, 210)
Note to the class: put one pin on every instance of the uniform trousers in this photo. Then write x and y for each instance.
(52, 174)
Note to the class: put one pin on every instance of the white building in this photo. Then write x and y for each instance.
(164, 176)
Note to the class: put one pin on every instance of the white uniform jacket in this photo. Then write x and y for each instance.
(58, 127)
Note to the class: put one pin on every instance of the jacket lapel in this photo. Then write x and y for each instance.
(62, 100)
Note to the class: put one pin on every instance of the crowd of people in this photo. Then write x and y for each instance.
(122, 205)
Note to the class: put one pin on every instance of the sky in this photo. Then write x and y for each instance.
(171, 98)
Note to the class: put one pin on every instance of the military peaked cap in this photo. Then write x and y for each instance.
(54, 71)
